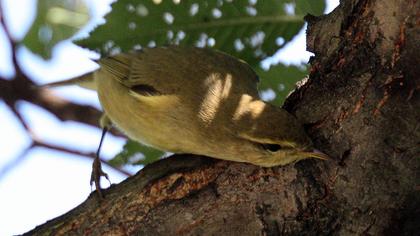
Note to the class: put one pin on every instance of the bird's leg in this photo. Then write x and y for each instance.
(97, 171)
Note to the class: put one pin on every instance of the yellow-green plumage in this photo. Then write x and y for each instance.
(199, 101)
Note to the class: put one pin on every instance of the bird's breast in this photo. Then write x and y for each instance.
(154, 120)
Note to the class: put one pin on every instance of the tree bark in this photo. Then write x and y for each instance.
(360, 105)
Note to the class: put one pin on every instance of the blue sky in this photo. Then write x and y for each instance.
(45, 184)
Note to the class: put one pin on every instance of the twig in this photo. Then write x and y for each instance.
(13, 91)
(20, 118)
(3, 23)
(13, 44)
(10, 165)
(90, 155)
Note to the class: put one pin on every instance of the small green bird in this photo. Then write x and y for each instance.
(198, 101)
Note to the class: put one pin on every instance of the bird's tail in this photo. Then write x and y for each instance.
(86, 81)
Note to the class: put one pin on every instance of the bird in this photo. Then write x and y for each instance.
(193, 100)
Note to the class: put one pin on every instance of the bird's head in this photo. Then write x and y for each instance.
(276, 136)
(268, 152)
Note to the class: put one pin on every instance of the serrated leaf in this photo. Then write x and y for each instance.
(135, 153)
(246, 29)
(280, 80)
(56, 20)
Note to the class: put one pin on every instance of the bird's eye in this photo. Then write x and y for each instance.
(145, 90)
(271, 147)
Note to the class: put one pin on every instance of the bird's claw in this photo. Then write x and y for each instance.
(96, 175)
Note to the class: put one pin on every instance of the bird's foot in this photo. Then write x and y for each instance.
(96, 175)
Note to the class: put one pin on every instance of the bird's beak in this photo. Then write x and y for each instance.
(316, 154)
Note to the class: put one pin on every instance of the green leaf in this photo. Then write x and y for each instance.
(135, 153)
(315, 8)
(56, 20)
(250, 30)
(280, 80)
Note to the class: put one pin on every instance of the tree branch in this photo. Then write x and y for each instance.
(13, 43)
(90, 155)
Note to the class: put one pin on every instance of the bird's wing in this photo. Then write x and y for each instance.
(118, 65)
(121, 67)
(168, 70)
